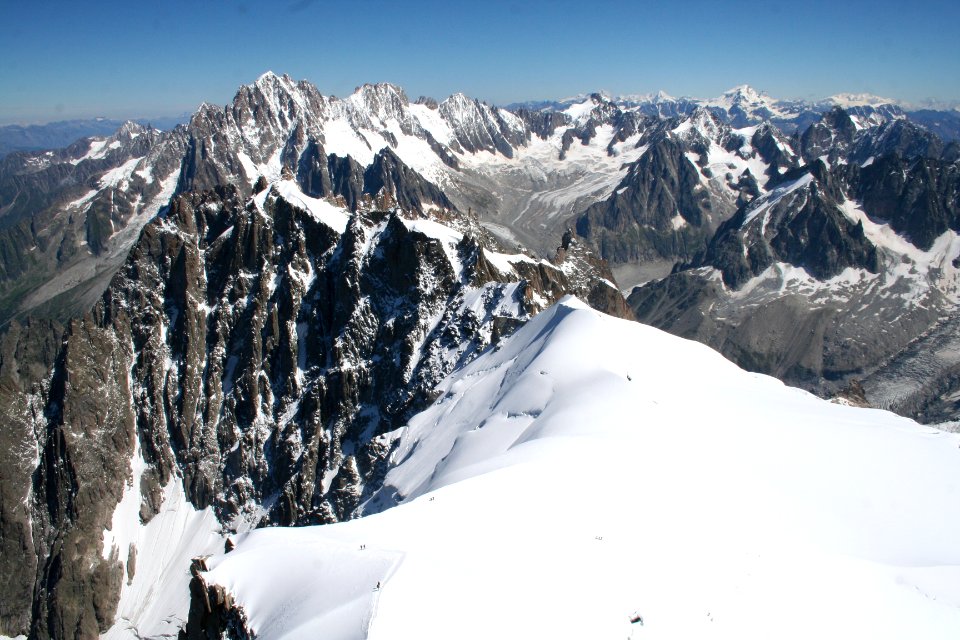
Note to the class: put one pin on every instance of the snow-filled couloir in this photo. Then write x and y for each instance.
(593, 477)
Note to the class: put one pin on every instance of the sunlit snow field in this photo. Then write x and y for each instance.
(592, 471)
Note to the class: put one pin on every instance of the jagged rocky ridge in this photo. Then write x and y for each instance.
(692, 175)
(744, 106)
(67, 218)
(259, 352)
(844, 266)
(63, 133)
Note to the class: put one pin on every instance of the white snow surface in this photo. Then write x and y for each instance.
(591, 470)
(118, 176)
(580, 112)
(747, 98)
(331, 215)
(154, 600)
(762, 204)
(931, 268)
(96, 150)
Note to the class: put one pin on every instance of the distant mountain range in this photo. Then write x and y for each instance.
(743, 105)
(941, 118)
(56, 135)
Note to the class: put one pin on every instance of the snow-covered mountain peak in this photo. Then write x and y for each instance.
(702, 122)
(267, 77)
(742, 94)
(662, 96)
(477, 126)
(382, 101)
(574, 99)
(131, 129)
(745, 105)
(204, 110)
(375, 95)
(458, 100)
(460, 108)
(276, 90)
(582, 110)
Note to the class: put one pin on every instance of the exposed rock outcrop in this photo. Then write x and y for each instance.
(261, 351)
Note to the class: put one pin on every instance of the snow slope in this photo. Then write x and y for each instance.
(593, 470)
(155, 594)
(155, 599)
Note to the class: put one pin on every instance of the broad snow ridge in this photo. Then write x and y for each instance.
(593, 477)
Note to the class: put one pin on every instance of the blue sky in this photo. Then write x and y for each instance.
(130, 59)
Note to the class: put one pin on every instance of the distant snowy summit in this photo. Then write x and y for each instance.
(746, 94)
(744, 105)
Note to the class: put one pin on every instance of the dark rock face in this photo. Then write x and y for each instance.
(641, 220)
(57, 211)
(867, 326)
(945, 124)
(313, 172)
(694, 174)
(213, 613)
(322, 176)
(851, 151)
(86, 446)
(589, 277)
(673, 108)
(802, 226)
(259, 354)
(831, 137)
(27, 352)
(896, 137)
(774, 148)
(951, 153)
(346, 180)
(919, 198)
(542, 123)
(389, 176)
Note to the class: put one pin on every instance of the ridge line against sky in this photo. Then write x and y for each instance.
(61, 60)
